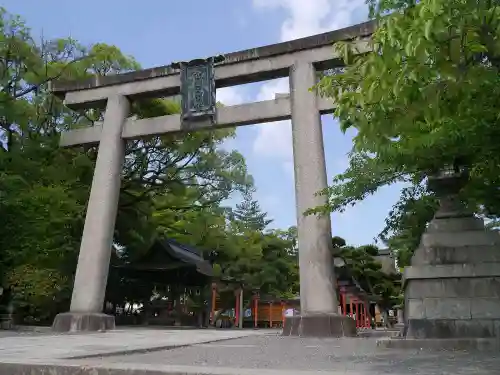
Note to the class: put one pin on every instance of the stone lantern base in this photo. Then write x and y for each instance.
(452, 289)
(319, 325)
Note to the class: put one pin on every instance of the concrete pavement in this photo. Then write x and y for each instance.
(51, 346)
(225, 352)
(296, 355)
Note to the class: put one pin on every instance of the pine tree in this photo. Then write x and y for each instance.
(249, 215)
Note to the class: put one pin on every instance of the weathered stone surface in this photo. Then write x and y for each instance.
(452, 271)
(456, 225)
(475, 328)
(97, 239)
(430, 328)
(319, 325)
(457, 288)
(426, 288)
(486, 287)
(316, 271)
(485, 308)
(452, 287)
(452, 328)
(496, 328)
(459, 239)
(415, 308)
(86, 322)
(481, 344)
(455, 255)
(269, 51)
(447, 308)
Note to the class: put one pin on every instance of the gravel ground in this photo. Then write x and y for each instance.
(349, 356)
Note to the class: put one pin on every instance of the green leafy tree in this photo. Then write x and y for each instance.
(37, 244)
(367, 271)
(259, 261)
(426, 96)
(44, 189)
(279, 273)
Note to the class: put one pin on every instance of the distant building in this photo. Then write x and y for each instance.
(387, 260)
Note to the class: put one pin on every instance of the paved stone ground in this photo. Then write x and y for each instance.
(25, 331)
(225, 352)
(38, 346)
(337, 356)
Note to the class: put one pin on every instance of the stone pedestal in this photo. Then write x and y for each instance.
(319, 325)
(89, 322)
(452, 289)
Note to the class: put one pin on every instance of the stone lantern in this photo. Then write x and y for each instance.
(452, 286)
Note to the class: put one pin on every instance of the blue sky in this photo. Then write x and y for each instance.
(157, 32)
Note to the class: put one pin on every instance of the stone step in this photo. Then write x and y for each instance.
(485, 287)
(458, 224)
(449, 271)
(456, 255)
(459, 239)
(479, 344)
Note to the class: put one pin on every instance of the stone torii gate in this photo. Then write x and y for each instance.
(299, 60)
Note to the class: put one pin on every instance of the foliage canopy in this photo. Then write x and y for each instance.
(424, 97)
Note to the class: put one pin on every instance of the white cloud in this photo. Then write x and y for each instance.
(318, 16)
(275, 139)
(230, 95)
(271, 88)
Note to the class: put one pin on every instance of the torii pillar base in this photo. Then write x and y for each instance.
(319, 325)
(83, 322)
